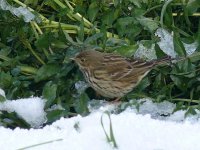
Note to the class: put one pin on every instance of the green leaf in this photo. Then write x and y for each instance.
(2, 98)
(66, 68)
(190, 111)
(180, 82)
(123, 22)
(108, 18)
(127, 51)
(15, 71)
(93, 38)
(116, 43)
(195, 56)
(5, 50)
(144, 83)
(148, 23)
(12, 120)
(92, 11)
(55, 115)
(81, 34)
(69, 38)
(61, 34)
(168, 18)
(198, 37)
(81, 104)
(45, 40)
(49, 93)
(192, 6)
(5, 80)
(128, 26)
(159, 52)
(178, 45)
(187, 66)
(71, 53)
(47, 71)
(136, 3)
(31, 2)
(59, 44)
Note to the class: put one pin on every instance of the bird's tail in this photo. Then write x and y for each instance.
(164, 61)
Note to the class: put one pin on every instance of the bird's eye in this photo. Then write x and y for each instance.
(82, 59)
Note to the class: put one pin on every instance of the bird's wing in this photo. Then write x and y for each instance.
(117, 68)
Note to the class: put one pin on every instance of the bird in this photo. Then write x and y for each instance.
(112, 75)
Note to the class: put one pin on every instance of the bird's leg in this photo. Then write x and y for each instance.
(116, 100)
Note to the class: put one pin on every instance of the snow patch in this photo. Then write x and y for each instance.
(131, 131)
(166, 44)
(156, 109)
(81, 86)
(145, 53)
(2, 93)
(20, 11)
(29, 109)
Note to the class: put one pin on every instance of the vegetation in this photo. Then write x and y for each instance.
(35, 56)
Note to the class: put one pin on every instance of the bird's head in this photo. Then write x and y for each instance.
(87, 58)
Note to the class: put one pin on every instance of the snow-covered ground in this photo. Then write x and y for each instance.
(145, 129)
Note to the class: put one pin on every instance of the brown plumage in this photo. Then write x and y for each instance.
(112, 75)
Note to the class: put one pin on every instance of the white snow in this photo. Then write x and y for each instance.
(190, 48)
(145, 53)
(131, 131)
(81, 86)
(140, 130)
(20, 11)
(29, 109)
(2, 93)
(166, 44)
(156, 109)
